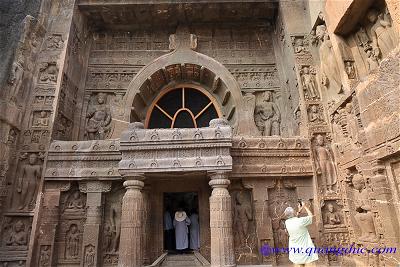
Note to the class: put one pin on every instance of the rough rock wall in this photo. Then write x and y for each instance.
(12, 14)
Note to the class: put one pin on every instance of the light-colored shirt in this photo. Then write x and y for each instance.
(300, 238)
(168, 221)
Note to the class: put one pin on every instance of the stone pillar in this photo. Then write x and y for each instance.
(131, 241)
(222, 253)
(48, 223)
(94, 212)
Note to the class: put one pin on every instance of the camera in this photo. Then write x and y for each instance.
(300, 201)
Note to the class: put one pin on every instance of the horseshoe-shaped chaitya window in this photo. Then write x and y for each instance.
(182, 107)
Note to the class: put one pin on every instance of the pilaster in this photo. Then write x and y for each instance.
(94, 212)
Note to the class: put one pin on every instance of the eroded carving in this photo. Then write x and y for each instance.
(48, 72)
(72, 242)
(330, 76)
(309, 83)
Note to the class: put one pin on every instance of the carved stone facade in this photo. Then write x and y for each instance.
(298, 99)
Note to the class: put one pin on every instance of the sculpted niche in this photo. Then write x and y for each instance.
(330, 75)
(364, 216)
(267, 115)
(325, 164)
(28, 181)
(98, 118)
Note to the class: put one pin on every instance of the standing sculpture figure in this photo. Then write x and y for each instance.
(309, 83)
(324, 162)
(99, 116)
(364, 216)
(352, 125)
(72, 242)
(267, 116)
(329, 67)
(372, 61)
(383, 34)
(242, 216)
(115, 222)
(28, 182)
(16, 75)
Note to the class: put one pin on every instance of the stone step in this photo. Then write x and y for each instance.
(184, 260)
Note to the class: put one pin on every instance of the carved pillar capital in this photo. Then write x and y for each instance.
(134, 184)
(218, 175)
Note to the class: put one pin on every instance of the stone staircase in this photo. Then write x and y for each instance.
(183, 260)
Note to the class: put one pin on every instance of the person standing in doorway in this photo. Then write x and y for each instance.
(181, 223)
(194, 230)
(168, 230)
(299, 236)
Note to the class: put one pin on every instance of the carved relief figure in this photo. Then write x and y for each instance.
(329, 68)
(350, 70)
(384, 37)
(72, 242)
(75, 202)
(372, 61)
(12, 136)
(282, 235)
(99, 119)
(314, 115)
(28, 181)
(267, 116)
(42, 120)
(108, 238)
(89, 256)
(16, 75)
(324, 162)
(18, 235)
(331, 217)
(49, 72)
(364, 216)
(115, 222)
(44, 258)
(299, 45)
(242, 216)
(352, 125)
(309, 83)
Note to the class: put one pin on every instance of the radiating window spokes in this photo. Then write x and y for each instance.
(182, 107)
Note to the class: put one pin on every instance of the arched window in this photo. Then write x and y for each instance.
(182, 107)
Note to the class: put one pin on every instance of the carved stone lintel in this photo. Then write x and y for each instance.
(95, 186)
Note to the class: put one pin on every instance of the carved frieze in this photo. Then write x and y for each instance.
(83, 159)
(156, 150)
(271, 156)
(258, 77)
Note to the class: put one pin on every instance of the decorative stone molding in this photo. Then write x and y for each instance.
(266, 157)
(158, 150)
(95, 186)
(83, 159)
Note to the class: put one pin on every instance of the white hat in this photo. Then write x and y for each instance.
(180, 216)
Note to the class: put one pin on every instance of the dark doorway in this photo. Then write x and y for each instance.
(189, 202)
